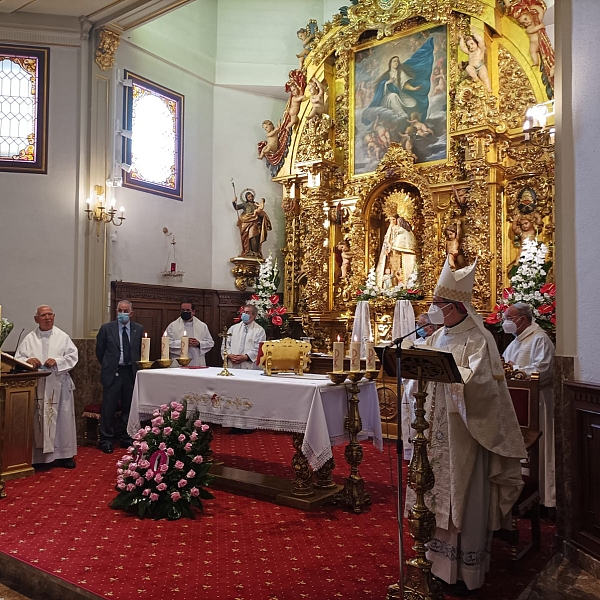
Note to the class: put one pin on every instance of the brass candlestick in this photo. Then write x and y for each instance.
(419, 585)
(354, 494)
(225, 335)
(184, 361)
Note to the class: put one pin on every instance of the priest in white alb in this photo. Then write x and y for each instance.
(199, 339)
(243, 340)
(533, 351)
(475, 440)
(50, 348)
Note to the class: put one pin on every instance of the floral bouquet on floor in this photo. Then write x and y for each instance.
(528, 284)
(164, 473)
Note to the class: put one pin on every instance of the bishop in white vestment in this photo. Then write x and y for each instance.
(475, 441)
(48, 347)
(244, 340)
(533, 351)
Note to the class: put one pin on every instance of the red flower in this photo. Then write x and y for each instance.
(270, 312)
(255, 297)
(493, 319)
(277, 320)
(237, 319)
(548, 288)
(281, 310)
(359, 292)
(274, 299)
(507, 292)
(553, 319)
(545, 309)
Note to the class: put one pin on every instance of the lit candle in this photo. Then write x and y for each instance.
(185, 344)
(145, 348)
(370, 348)
(164, 346)
(338, 356)
(355, 355)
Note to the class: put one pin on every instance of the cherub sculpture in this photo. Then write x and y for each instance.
(474, 46)
(343, 257)
(305, 36)
(295, 87)
(454, 237)
(317, 98)
(526, 227)
(271, 144)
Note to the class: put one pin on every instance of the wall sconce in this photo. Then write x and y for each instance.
(534, 126)
(101, 213)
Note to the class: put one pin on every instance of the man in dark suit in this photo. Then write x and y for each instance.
(118, 348)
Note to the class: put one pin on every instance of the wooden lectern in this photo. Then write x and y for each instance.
(18, 385)
(422, 364)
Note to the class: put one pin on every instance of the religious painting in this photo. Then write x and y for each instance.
(527, 200)
(400, 95)
(24, 108)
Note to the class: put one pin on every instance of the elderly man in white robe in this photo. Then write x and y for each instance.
(199, 339)
(533, 351)
(50, 348)
(243, 343)
(475, 441)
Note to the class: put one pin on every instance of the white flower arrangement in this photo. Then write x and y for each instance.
(371, 291)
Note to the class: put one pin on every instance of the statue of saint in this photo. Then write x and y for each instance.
(254, 223)
(397, 252)
(454, 235)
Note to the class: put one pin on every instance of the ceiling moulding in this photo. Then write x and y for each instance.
(43, 29)
(129, 15)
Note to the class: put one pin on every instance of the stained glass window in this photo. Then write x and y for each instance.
(153, 155)
(23, 108)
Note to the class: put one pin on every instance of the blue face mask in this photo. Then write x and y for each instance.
(123, 318)
(245, 318)
(421, 332)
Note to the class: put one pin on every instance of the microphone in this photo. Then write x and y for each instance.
(18, 341)
(398, 341)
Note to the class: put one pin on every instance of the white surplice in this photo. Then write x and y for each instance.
(55, 435)
(475, 451)
(196, 329)
(532, 350)
(244, 339)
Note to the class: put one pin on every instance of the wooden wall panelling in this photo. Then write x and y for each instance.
(586, 492)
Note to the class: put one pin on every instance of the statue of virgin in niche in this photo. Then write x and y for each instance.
(397, 253)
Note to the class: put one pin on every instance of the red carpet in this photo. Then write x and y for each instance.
(240, 548)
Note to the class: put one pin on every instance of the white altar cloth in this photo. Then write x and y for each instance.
(307, 404)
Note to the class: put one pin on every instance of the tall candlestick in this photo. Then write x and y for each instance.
(355, 355)
(164, 346)
(370, 348)
(338, 356)
(185, 344)
(146, 348)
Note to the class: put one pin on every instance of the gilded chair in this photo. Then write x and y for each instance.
(286, 355)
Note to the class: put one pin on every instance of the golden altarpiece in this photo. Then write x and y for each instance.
(447, 158)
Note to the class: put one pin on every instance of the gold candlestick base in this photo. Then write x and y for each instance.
(355, 376)
(184, 362)
(371, 374)
(337, 377)
(163, 363)
(144, 364)
(225, 372)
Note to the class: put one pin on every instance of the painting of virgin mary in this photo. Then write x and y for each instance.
(399, 98)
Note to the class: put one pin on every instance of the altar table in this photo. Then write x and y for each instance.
(304, 404)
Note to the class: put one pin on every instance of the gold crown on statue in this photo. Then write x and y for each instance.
(456, 285)
(399, 203)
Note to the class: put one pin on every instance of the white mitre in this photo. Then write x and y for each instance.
(458, 286)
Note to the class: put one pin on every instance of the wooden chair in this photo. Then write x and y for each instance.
(91, 415)
(525, 394)
(279, 356)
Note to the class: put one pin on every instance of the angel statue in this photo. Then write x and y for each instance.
(253, 222)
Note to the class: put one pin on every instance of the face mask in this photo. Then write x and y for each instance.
(509, 327)
(123, 318)
(245, 318)
(186, 315)
(421, 332)
(436, 315)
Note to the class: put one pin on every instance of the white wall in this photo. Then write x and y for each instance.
(39, 217)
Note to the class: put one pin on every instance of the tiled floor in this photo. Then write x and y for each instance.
(561, 580)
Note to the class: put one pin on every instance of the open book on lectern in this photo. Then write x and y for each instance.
(434, 364)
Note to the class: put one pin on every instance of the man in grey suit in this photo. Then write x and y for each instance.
(118, 348)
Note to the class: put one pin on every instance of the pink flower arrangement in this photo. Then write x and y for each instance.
(164, 473)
